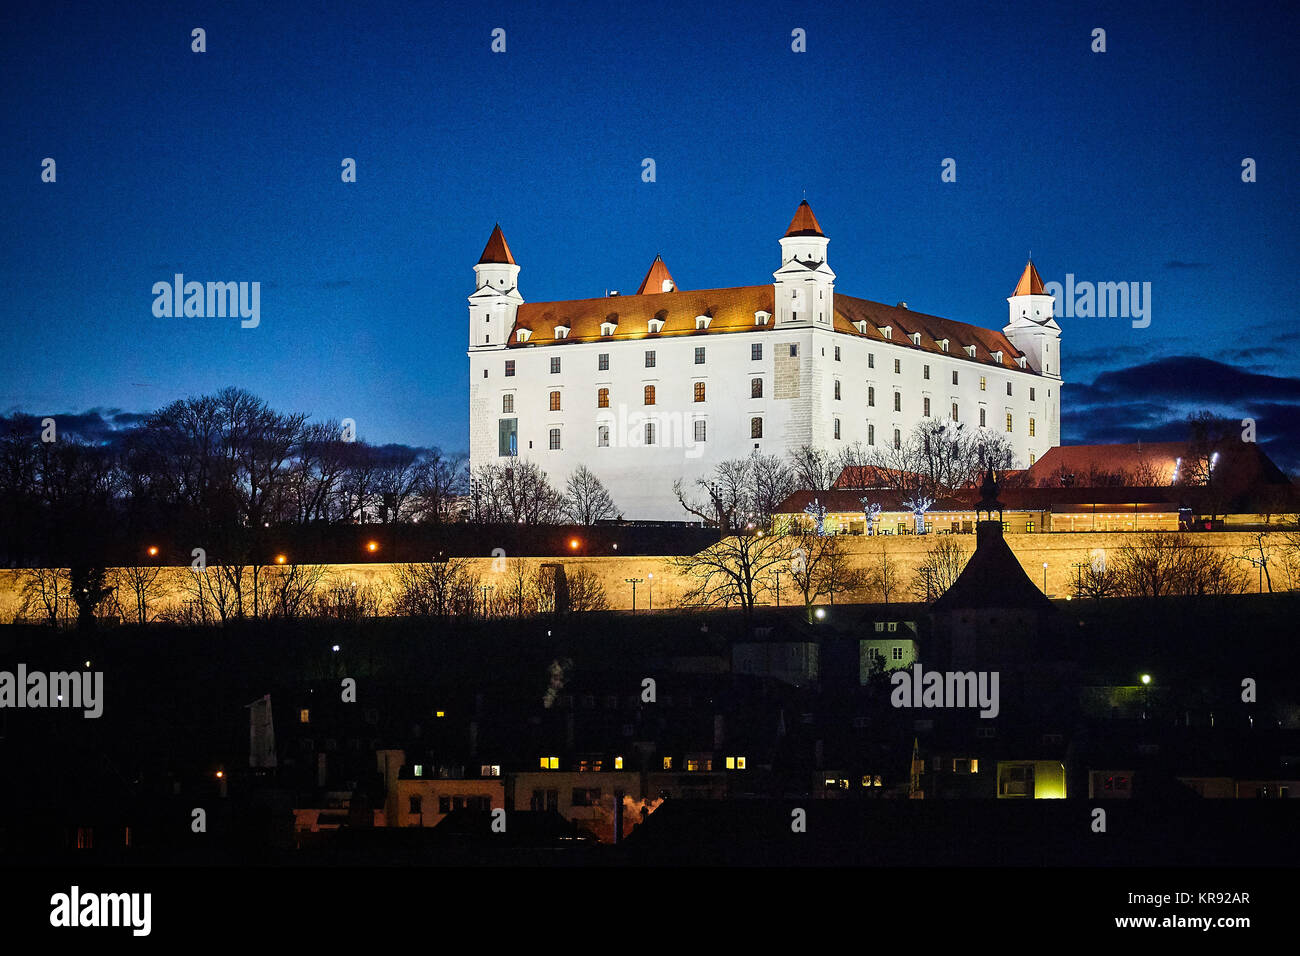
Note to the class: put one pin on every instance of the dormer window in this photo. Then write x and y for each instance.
(760, 317)
(656, 325)
(523, 335)
(997, 356)
(561, 332)
(887, 331)
(916, 338)
(861, 326)
(667, 285)
(608, 328)
(1021, 361)
(943, 344)
(970, 351)
(702, 322)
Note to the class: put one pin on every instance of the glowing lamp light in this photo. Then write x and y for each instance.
(335, 648)
(1146, 678)
(280, 559)
(820, 613)
(573, 544)
(153, 552)
(220, 774)
(372, 546)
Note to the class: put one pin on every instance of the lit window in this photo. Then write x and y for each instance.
(489, 770)
(510, 368)
(508, 403)
(550, 763)
(755, 388)
(418, 770)
(555, 365)
(699, 355)
(1031, 428)
(650, 359)
(649, 394)
(668, 763)
(1008, 421)
(699, 391)
(304, 716)
(555, 401)
(756, 428)
(618, 763)
(555, 439)
(602, 398)
(983, 382)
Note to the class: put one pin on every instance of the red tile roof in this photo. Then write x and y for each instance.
(496, 249)
(653, 283)
(1031, 283)
(1083, 460)
(933, 330)
(804, 222)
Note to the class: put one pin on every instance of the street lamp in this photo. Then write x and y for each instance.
(650, 591)
(634, 582)
(1044, 577)
(1146, 696)
(485, 588)
(778, 587)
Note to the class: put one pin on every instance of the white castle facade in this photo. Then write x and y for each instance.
(650, 388)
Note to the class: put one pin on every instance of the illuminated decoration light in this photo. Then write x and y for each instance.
(220, 774)
(335, 648)
(820, 612)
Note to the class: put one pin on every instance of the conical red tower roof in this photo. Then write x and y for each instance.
(496, 249)
(804, 222)
(655, 278)
(1031, 283)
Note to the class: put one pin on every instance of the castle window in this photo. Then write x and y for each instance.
(602, 398)
(898, 439)
(997, 356)
(954, 376)
(1008, 421)
(650, 359)
(837, 353)
(943, 344)
(702, 322)
(871, 360)
(1008, 388)
(871, 396)
(970, 350)
(916, 338)
(925, 407)
(1031, 428)
(602, 362)
(756, 352)
(981, 418)
(555, 365)
(837, 389)
(699, 355)
(1031, 394)
(555, 439)
(794, 351)
(983, 383)
(700, 430)
(871, 434)
(649, 394)
(898, 401)
(510, 368)
(508, 403)
(887, 331)
(925, 372)
(699, 391)
(898, 366)
(602, 436)
(649, 433)
(561, 331)
(837, 429)
(954, 411)
(756, 428)
(655, 326)
(755, 388)
(1032, 458)
(555, 401)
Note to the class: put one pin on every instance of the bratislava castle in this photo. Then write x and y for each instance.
(663, 385)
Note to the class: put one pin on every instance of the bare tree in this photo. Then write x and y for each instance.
(44, 592)
(1164, 564)
(1260, 552)
(291, 589)
(586, 593)
(142, 587)
(734, 572)
(819, 567)
(435, 589)
(587, 499)
(814, 468)
(516, 493)
(883, 575)
(943, 563)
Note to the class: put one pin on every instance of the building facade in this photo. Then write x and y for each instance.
(660, 386)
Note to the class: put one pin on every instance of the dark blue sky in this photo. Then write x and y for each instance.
(1122, 166)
